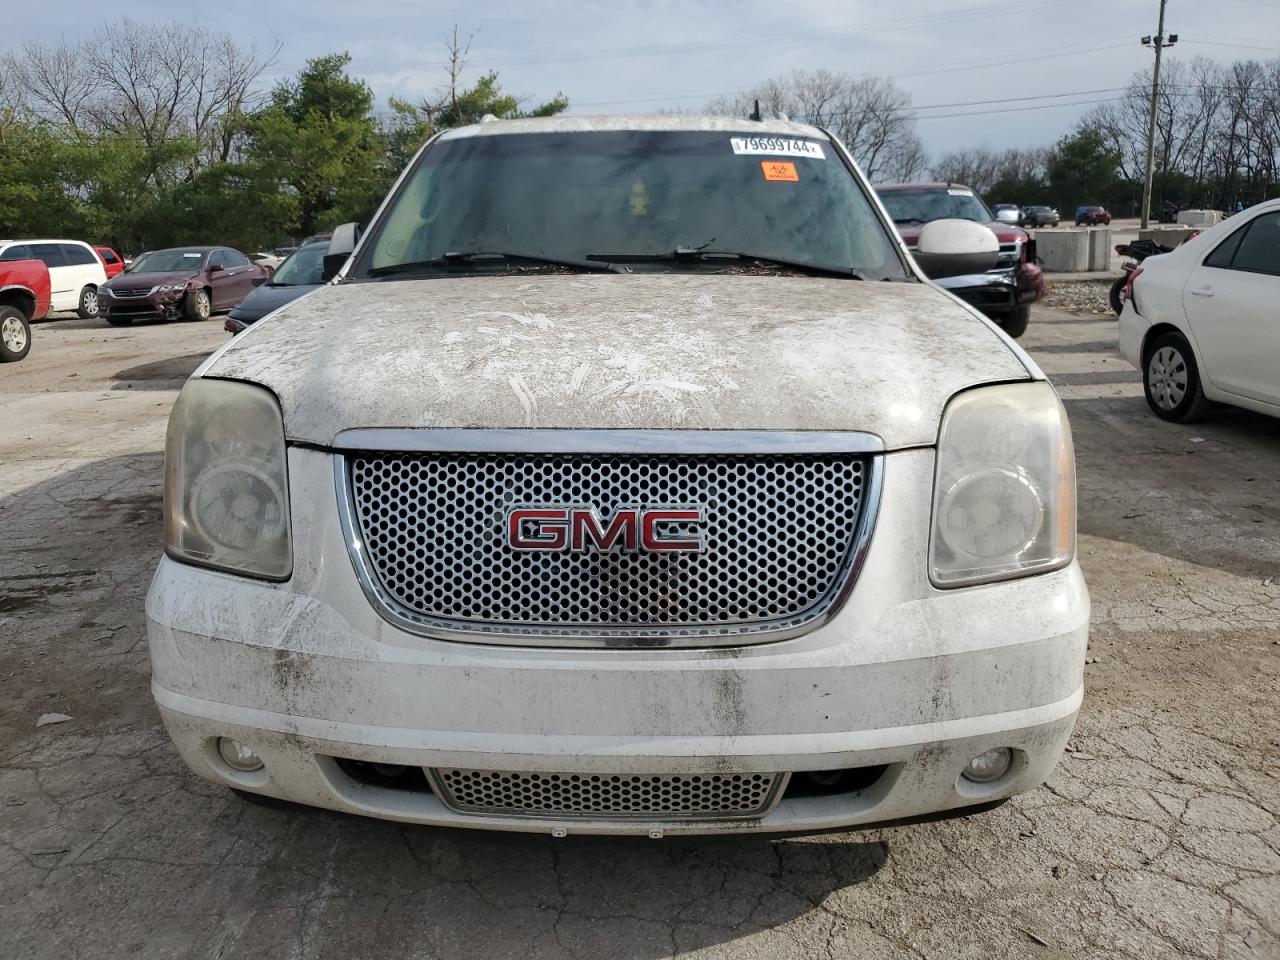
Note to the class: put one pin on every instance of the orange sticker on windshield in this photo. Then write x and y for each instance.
(782, 170)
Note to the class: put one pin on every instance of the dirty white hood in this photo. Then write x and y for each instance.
(637, 351)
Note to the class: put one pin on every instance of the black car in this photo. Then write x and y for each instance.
(301, 273)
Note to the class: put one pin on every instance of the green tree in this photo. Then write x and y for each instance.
(413, 124)
(318, 138)
(1082, 170)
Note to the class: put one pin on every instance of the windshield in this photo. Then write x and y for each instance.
(626, 196)
(304, 266)
(168, 261)
(925, 206)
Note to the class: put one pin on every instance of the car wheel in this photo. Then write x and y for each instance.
(197, 306)
(1015, 324)
(88, 308)
(15, 335)
(1171, 380)
(1116, 295)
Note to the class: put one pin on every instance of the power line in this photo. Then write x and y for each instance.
(1240, 46)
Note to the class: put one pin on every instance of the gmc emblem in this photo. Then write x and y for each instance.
(576, 529)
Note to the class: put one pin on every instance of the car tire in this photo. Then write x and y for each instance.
(1015, 323)
(1171, 380)
(88, 308)
(197, 305)
(1116, 294)
(15, 335)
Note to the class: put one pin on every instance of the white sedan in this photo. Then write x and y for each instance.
(1202, 324)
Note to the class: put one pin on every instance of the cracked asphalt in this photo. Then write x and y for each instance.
(1159, 835)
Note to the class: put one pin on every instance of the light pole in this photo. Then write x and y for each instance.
(1159, 41)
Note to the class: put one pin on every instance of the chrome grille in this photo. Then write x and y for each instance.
(779, 541)
(132, 293)
(614, 796)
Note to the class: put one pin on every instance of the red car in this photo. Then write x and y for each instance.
(1093, 216)
(24, 296)
(111, 260)
(1004, 294)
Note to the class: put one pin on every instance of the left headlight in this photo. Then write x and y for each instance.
(226, 489)
(1004, 499)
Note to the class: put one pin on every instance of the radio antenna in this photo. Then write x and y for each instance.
(755, 114)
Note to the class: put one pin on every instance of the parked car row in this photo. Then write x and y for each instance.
(76, 271)
(1029, 216)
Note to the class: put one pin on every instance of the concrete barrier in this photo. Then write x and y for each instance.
(1100, 248)
(1063, 251)
(1199, 218)
(1167, 236)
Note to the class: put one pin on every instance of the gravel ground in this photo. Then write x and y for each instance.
(1087, 297)
(1157, 837)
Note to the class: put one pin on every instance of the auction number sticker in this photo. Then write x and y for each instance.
(777, 147)
(780, 170)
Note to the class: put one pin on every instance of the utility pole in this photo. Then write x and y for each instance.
(1159, 41)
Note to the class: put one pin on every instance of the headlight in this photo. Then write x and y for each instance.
(1004, 499)
(226, 493)
(171, 288)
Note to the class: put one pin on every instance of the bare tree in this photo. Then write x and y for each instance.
(871, 115)
(153, 81)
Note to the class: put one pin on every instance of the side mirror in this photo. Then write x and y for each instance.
(955, 248)
(259, 281)
(341, 246)
(215, 267)
(1007, 216)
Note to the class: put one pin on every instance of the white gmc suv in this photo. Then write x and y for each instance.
(628, 477)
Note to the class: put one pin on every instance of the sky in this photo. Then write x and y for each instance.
(981, 72)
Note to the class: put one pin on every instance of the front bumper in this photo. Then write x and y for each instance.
(906, 676)
(1000, 291)
(165, 306)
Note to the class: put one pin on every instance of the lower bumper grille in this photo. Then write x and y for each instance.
(507, 793)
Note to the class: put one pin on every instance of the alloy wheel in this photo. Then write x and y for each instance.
(13, 334)
(1167, 377)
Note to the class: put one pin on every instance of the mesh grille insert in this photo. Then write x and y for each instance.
(649, 796)
(778, 540)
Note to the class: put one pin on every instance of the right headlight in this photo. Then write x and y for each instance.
(1004, 498)
(226, 491)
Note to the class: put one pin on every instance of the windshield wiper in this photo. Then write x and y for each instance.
(908, 220)
(480, 256)
(700, 255)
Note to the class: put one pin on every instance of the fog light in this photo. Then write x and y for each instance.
(989, 766)
(237, 756)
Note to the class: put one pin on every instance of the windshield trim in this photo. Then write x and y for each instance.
(359, 264)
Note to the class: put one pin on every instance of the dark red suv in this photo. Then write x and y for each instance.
(1092, 216)
(1006, 293)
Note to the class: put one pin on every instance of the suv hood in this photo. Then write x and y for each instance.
(633, 351)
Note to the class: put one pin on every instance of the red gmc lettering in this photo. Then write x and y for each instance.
(653, 539)
(552, 529)
(581, 528)
(586, 523)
